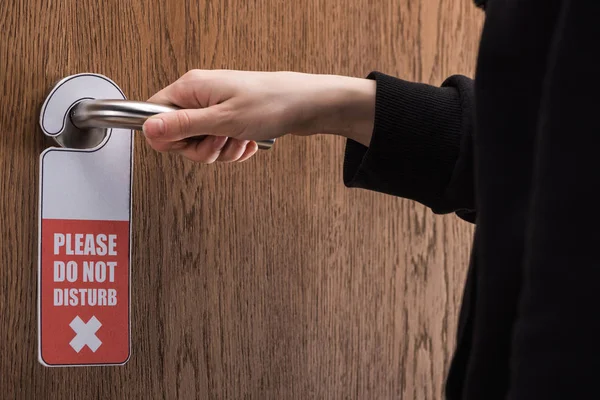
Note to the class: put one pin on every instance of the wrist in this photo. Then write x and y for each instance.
(342, 106)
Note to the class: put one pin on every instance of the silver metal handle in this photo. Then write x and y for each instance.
(125, 114)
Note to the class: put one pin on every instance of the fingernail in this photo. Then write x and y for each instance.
(219, 142)
(154, 127)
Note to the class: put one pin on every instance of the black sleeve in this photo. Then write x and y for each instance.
(556, 341)
(421, 148)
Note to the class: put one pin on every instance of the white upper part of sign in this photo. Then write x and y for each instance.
(90, 184)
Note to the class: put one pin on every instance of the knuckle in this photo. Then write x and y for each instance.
(183, 121)
(191, 74)
(199, 159)
(199, 153)
(228, 121)
(226, 158)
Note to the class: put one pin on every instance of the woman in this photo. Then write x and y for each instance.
(513, 151)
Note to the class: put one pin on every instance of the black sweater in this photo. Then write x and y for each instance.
(515, 152)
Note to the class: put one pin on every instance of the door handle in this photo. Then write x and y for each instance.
(127, 114)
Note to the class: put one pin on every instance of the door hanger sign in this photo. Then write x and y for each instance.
(84, 237)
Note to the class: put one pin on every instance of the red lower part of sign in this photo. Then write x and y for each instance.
(84, 292)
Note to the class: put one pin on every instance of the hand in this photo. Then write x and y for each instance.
(236, 108)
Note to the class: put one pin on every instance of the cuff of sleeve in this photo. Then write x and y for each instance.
(415, 142)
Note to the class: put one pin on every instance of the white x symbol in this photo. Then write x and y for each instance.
(86, 334)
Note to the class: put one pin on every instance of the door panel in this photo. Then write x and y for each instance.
(267, 279)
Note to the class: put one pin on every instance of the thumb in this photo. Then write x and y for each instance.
(181, 124)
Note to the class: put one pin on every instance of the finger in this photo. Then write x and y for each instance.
(233, 150)
(251, 149)
(191, 90)
(164, 96)
(204, 151)
(181, 124)
(180, 94)
(163, 146)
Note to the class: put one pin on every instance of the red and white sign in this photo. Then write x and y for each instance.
(84, 292)
(84, 238)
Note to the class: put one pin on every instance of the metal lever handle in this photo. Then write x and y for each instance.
(126, 114)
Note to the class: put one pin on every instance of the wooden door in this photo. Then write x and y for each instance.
(264, 280)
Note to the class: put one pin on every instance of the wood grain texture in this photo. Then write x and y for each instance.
(264, 280)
